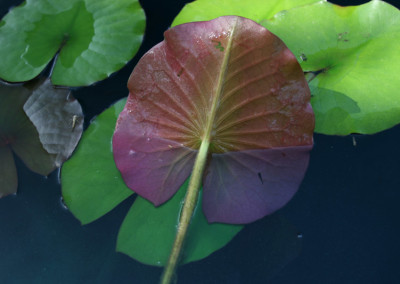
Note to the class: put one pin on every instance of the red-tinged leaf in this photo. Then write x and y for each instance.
(247, 185)
(233, 82)
(154, 166)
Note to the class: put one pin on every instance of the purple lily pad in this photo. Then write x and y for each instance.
(247, 185)
(236, 77)
(152, 166)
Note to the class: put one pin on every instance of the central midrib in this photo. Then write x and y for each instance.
(220, 83)
(196, 177)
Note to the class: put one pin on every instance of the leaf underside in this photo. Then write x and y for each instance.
(230, 77)
(58, 119)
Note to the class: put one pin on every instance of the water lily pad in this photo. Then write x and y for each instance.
(352, 54)
(57, 117)
(91, 183)
(92, 186)
(228, 82)
(147, 233)
(18, 134)
(257, 10)
(93, 38)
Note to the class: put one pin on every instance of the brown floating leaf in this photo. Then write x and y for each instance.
(58, 118)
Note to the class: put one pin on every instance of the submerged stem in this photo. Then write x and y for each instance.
(198, 169)
(187, 211)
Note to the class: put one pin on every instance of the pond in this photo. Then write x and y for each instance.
(342, 226)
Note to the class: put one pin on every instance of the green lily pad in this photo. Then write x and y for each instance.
(257, 10)
(18, 134)
(353, 59)
(91, 183)
(147, 233)
(93, 38)
(92, 186)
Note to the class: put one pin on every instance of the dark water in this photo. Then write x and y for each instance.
(341, 227)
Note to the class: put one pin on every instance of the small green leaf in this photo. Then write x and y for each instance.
(93, 38)
(257, 10)
(147, 233)
(352, 54)
(91, 184)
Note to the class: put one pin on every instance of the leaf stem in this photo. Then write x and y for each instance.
(198, 169)
(187, 211)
